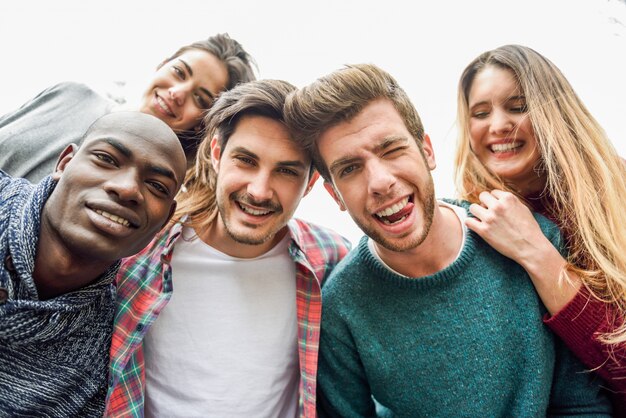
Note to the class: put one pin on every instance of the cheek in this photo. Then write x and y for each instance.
(231, 180)
(192, 115)
(476, 131)
(159, 211)
(290, 193)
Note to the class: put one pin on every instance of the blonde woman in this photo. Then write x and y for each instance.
(527, 141)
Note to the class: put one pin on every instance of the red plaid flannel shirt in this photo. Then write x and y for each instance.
(144, 286)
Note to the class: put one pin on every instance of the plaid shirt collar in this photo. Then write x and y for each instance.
(145, 286)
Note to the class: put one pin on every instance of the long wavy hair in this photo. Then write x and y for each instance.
(585, 177)
(196, 201)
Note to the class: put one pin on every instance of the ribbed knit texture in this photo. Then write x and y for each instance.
(53, 354)
(466, 341)
(33, 136)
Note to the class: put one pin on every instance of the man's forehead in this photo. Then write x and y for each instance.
(266, 138)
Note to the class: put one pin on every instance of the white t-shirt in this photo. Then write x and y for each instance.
(226, 343)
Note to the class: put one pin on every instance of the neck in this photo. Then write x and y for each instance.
(438, 250)
(217, 237)
(530, 186)
(58, 271)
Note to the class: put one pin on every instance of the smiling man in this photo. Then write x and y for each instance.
(61, 241)
(234, 281)
(423, 318)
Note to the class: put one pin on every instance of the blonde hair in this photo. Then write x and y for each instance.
(585, 177)
(196, 202)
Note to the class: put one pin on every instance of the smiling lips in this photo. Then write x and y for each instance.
(114, 218)
(505, 147)
(251, 211)
(395, 213)
(164, 106)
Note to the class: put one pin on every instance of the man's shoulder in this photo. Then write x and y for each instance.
(149, 261)
(11, 187)
(457, 202)
(309, 235)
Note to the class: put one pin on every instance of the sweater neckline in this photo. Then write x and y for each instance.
(451, 272)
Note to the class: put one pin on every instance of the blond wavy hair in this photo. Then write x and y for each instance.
(197, 206)
(585, 177)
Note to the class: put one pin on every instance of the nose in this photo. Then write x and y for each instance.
(259, 187)
(126, 185)
(178, 94)
(501, 122)
(380, 179)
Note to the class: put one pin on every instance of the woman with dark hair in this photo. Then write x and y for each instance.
(181, 91)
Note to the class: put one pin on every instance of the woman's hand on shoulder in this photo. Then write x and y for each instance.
(507, 225)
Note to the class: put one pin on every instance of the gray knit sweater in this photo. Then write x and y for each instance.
(467, 341)
(54, 354)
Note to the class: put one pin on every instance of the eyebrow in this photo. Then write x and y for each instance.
(341, 162)
(388, 142)
(383, 145)
(157, 169)
(123, 149)
(126, 152)
(508, 99)
(286, 163)
(190, 71)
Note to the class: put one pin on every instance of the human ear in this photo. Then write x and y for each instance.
(331, 190)
(314, 176)
(64, 158)
(172, 211)
(428, 152)
(216, 153)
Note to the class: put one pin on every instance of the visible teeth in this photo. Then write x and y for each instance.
(254, 212)
(509, 146)
(164, 106)
(387, 222)
(114, 218)
(393, 209)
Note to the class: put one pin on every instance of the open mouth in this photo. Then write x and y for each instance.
(506, 147)
(395, 213)
(253, 211)
(114, 218)
(163, 106)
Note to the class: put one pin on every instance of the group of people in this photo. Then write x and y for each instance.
(508, 300)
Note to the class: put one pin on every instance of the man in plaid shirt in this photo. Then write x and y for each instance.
(233, 341)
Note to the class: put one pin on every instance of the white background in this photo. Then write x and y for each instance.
(424, 45)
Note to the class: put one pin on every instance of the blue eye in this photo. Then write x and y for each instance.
(347, 170)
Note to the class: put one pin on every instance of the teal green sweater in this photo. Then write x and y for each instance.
(467, 341)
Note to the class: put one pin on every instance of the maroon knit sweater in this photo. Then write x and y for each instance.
(580, 323)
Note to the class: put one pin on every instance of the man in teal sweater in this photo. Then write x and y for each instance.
(423, 318)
